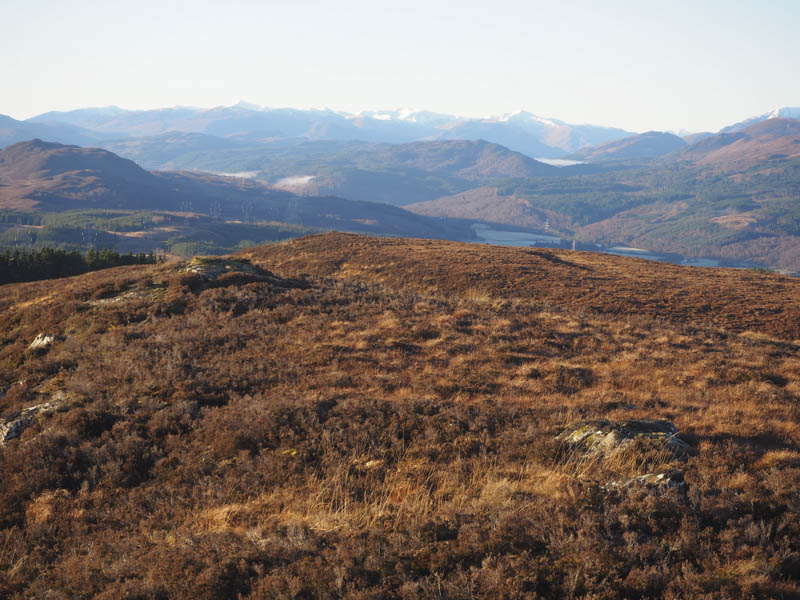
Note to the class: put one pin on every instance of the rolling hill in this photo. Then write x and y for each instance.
(29, 160)
(350, 416)
(490, 204)
(13, 131)
(406, 173)
(767, 140)
(55, 177)
(396, 174)
(652, 144)
(45, 177)
(175, 151)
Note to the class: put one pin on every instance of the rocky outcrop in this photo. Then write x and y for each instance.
(41, 342)
(606, 437)
(212, 267)
(599, 446)
(14, 426)
(137, 292)
(653, 482)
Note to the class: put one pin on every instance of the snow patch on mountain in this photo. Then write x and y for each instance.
(786, 112)
(523, 116)
(247, 105)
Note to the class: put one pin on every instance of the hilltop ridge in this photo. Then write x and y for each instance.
(37, 158)
(652, 144)
(588, 281)
(431, 418)
(773, 138)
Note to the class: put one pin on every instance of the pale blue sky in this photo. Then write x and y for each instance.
(633, 64)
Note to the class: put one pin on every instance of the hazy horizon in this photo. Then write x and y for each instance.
(623, 64)
(386, 110)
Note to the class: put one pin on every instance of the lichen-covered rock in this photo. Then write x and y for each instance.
(654, 482)
(14, 426)
(212, 267)
(41, 342)
(606, 437)
(137, 292)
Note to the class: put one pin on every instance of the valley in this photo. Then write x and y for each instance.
(712, 199)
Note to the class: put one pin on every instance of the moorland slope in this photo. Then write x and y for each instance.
(341, 416)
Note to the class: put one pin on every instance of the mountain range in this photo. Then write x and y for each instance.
(520, 131)
(248, 123)
(731, 195)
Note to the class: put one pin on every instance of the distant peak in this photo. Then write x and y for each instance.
(37, 143)
(522, 116)
(681, 132)
(246, 105)
(786, 112)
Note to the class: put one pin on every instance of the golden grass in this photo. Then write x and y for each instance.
(378, 434)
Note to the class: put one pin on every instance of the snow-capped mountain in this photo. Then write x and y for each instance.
(521, 131)
(523, 117)
(786, 112)
(421, 117)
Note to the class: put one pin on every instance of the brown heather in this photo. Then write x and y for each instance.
(378, 420)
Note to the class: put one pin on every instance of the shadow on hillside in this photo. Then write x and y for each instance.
(560, 261)
(758, 444)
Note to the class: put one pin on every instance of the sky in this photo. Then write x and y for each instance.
(640, 65)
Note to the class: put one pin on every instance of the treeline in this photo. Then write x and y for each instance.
(21, 218)
(48, 263)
